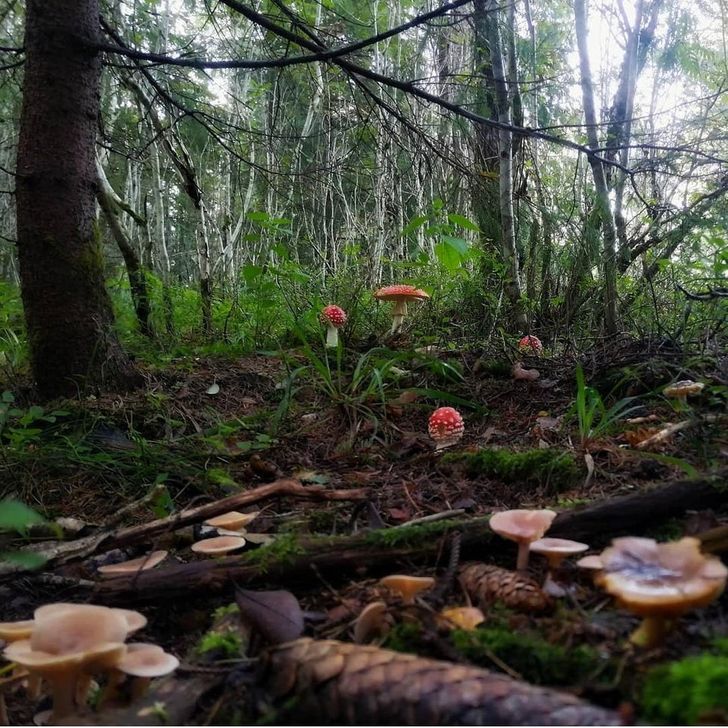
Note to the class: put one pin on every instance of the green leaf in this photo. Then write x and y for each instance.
(459, 244)
(26, 560)
(414, 223)
(448, 257)
(463, 221)
(16, 516)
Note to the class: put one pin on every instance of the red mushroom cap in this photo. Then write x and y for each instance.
(446, 426)
(333, 316)
(530, 345)
(400, 292)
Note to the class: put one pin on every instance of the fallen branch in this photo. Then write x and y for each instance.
(65, 552)
(378, 549)
(364, 685)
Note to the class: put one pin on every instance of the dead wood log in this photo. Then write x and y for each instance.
(330, 682)
(65, 552)
(601, 521)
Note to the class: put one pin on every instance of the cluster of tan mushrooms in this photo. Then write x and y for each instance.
(67, 645)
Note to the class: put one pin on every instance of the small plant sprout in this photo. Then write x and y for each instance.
(524, 375)
(333, 317)
(400, 294)
(524, 527)
(530, 345)
(659, 582)
(446, 427)
(556, 550)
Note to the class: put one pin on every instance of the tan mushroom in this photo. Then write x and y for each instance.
(372, 622)
(13, 631)
(400, 294)
(466, 618)
(135, 566)
(683, 389)
(143, 662)
(556, 550)
(219, 545)
(68, 642)
(524, 527)
(232, 520)
(593, 562)
(408, 587)
(659, 581)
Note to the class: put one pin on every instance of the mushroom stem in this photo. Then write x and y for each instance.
(523, 551)
(398, 314)
(652, 631)
(3, 711)
(139, 686)
(332, 337)
(34, 685)
(63, 691)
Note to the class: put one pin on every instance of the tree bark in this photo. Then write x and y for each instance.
(609, 232)
(67, 308)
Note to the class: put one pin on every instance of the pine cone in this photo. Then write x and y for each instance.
(487, 584)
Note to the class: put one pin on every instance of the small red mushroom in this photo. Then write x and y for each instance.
(334, 317)
(446, 427)
(530, 345)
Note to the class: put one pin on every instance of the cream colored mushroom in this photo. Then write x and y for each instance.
(143, 662)
(219, 545)
(523, 527)
(135, 566)
(556, 550)
(232, 520)
(371, 622)
(466, 618)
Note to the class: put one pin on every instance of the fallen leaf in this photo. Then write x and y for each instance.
(398, 514)
(276, 615)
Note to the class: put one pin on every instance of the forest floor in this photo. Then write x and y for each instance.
(212, 427)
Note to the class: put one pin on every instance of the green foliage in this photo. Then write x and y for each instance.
(16, 516)
(20, 428)
(686, 692)
(593, 419)
(284, 549)
(227, 643)
(554, 469)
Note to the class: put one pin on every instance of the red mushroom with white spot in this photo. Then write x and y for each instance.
(400, 294)
(530, 345)
(446, 427)
(333, 317)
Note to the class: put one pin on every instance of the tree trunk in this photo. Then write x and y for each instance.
(609, 232)
(67, 308)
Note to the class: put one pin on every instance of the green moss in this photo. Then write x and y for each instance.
(687, 692)
(554, 469)
(227, 644)
(412, 535)
(529, 654)
(284, 549)
(524, 651)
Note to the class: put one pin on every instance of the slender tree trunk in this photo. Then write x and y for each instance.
(505, 154)
(609, 233)
(67, 308)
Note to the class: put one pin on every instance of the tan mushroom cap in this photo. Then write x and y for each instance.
(666, 579)
(12, 631)
(134, 566)
(400, 292)
(467, 618)
(232, 520)
(134, 620)
(370, 623)
(146, 660)
(218, 545)
(521, 524)
(559, 548)
(683, 388)
(408, 587)
(593, 561)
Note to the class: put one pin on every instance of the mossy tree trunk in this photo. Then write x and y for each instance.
(67, 308)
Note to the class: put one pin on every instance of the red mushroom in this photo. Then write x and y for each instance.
(400, 294)
(446, 427)
(334, 317)
(530, 345)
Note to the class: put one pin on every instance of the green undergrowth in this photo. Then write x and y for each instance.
(556, 470)
(495, 645)
(284, 549)
(418, 533)
(690, 691)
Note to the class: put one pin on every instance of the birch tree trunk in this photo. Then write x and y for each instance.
(609, 233)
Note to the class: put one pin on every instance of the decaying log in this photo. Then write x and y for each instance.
(330, 682)
(625, 514)
(65, 552)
